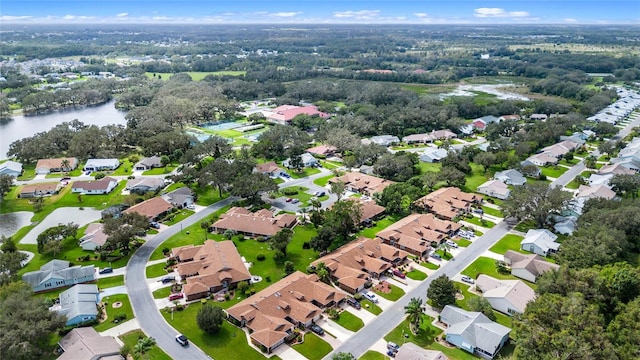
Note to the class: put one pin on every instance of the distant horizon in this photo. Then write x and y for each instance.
(331, 12)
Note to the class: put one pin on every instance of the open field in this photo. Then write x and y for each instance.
(198, 75)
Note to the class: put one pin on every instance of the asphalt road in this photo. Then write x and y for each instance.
(142, 302)
(361, 341)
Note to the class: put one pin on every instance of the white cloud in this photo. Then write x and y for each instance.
(122, 15)
(421, 15)
(69, 17)
(498, 13)
(285, 14)
(15, 18)
(361, 14)
(570, 20)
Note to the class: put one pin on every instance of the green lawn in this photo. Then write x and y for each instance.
(177, 216)
(379, 226)
(111, 281)
(475, 179)
(125, 168)
(330, 165)
(323, 180)
(487, 266)
(493, 212)
(209, 196)
(425, 335)
(416, 275)
(525, 226)
(569, 162)
(464, 304)
(395, 294)
(349, 321)
(373, 355)
(370, 307)
(508, 242)
(162, 293)
(111, 312)
(313, 347)
(429, 167)
(161, 170)
(198, 75)
(229, 343)
(156, 270)
(553, 171)
(476, 221)
(131, 339)
(305, 172)
(430, 265)
(28, 172)
(462, 242)
(58, 175)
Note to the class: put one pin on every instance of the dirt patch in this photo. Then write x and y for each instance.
(459, 296)
(383, 287)
(116, 305)
(440, 339)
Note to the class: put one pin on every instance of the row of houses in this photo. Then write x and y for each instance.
(628, 100)
(92, 187)
(551, 154)
(66, 164)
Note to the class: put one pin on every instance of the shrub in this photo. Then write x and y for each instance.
(171, 262)
(119, 317)
(261, 239)
(358, 296)
(99, 175)
(290, 192)
(306, 245)
(261, 257)
(267, 279)
(165, 250)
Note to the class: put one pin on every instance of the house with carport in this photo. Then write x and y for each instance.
(494, 188)
(57, 274)
(540, 241)
(101, 164)
(507, 296)
(79, 304)
(148, 163)
(85, 343)
(143, 185)
(448, 202)
(153, 208)
(46, 166)
(417, 233)
(528, 267)
(270, 169)
(253, 224)
(95, 187)
(510, 177)
(94, 237)
(362, 183)
(39, 190)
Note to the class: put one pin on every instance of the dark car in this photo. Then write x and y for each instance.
(106, 270)
(353, 302)
(167, 279)
(317, 329)
(436, 256)
(399, 273)
(182, 340)
(154, 225)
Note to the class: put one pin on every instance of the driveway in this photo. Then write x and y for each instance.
(59, 216)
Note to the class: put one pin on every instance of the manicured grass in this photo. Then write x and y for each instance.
(453, 353)
(162, 293)
(125, 168)
(574, 184)
(349, 321)
(373, 355)
(131, 339)
(28, 172)
(462, 242)
(487, 266)
(178, 216)
(508, 242)
(416, 275)
(553, 172)
(475, 179)
(323, 180)
(395, 294)
(525, 226)
(111, 312)
(569, 162)
(198, 75)
(330, 165)
(111, 281)
(443, 255)
(209, 196)
(161, 170)
(430, 265)
(58, 175)
(379, 226)
(484, 223)
(424, 337)
(429, 167)
(313, 347)
(493, 212)
(370, 307)
(155, 270)
(229, 343)
(305, 172)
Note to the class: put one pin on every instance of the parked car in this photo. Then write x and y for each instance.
(478, 211)
(154, 225)
(370, 296)
(467, 279)
(399, 273)
(106, 270)
(317, 329)
(436, 256)
(182, 340)
(452, 244)
(191, 207)
(167, 279)
(176, 296)
(319, 193)
(353, 302)
(295, 201)
(391, 353)
(88, 172)
(288, 199)
(393, 346)
(66, 178)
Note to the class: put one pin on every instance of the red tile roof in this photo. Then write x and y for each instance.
(150, 208)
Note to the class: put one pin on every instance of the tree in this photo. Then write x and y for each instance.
(486, 159)
(442, 292)
(280, 240)
(323, 273)
(65, 164)
(10, 265)
(624, 331)
(343, 218)
(49, 241)
(480, 304)
(397, 198)
(536, 201)
(343, 356)
(414, 313)
(323, 240)
(121, 231)
(337, 188)
(590, 162)
(210, 318)
(27, 325)
(452, 176)
(143, 345)
(593, 245)
(289, 267)
(8, 244)
(250, 185)
(399, 166)
(626, 185)
(607, 147)
(6, 181)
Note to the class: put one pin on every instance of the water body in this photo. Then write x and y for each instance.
(22, 126)
(10, 223)
(501, 91)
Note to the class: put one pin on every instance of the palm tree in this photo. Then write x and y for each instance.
(323, 273)
(590, 162)
(143, 345)
(65, 164)
(414, 313)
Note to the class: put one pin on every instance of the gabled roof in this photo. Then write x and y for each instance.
(543, 158)
(11, 166)
(57, 269)
(370, 209)
(262, 222)
(322, 150)
(616, 169)
(542, 238)
(417, 231)
(85, 343)
(596, 191)
(288, 112)
(533, 263)
(150, 162)
(511, 176)
(267, 167)
(411, 351)
(153, 183)
(56, 163)
(41, 188)
(150, 208)
(95, 234)
(102, 162)
(516, 292)
(363, 182)
(494, 188)
(80, 299)
(474, 327)
(447, 201)
(95, 185)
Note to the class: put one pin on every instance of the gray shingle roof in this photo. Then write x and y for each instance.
(474, 327)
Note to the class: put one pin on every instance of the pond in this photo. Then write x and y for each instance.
(10, 223)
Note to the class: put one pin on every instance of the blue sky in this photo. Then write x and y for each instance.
(318, 11)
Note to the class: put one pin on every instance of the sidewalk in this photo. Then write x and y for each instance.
(123, 328)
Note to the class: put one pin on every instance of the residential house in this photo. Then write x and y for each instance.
(143, 185)
(494, 188)
(416, 233)
(153, 208)
(448, 202)
(509, 117)
(95, 187)
(507, 296)
(540, 241)
(307, 161)
(510, 177)
(597, 179)
(370, 211)
(94, 237)
(362, 183)
(616, 169)
(480, 124)
(101, 164)
(79, 304)
(113, 212)
(259, 223)
(560, 149)
(565, 224)
(180, 197)
(39, 190)
(209, 268)
(586, 192)
(355, 263)
(270, 169)
(298, 300)
(530, 169)
(45, 166)
(148, 163)
(284, 114)
(322, 150)
(473, 332)
(56, 274)
(85, 343)
(385, 140)
(433, 154)
(434, 135)
(538, 117)
(543, 159)
(11, 168)
(579, 138)
(411, 351)
(528, 267)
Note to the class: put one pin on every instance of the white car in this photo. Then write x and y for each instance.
(452, 244)
(370, 296)
(467, 279)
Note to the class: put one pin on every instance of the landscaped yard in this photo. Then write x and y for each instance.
(349, 321)
(178, 216)
(131, 339)
(379, 226)
(373, 355)
(161, 170)
(462, 242)
(111, 281)
(305, 172)
(493, 212)
(313, 347)
(508, 242)
(395, 294)
(475, 179)
(416, 275)
(125, 308)
(371, 307)
(156, 270)
(430, 265)
(476, 221)
(323, 180)
(424, 337)
(162, 293)
(487, 266)
(553, 171)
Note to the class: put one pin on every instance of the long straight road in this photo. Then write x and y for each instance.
(144, 307)
(361, 341)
